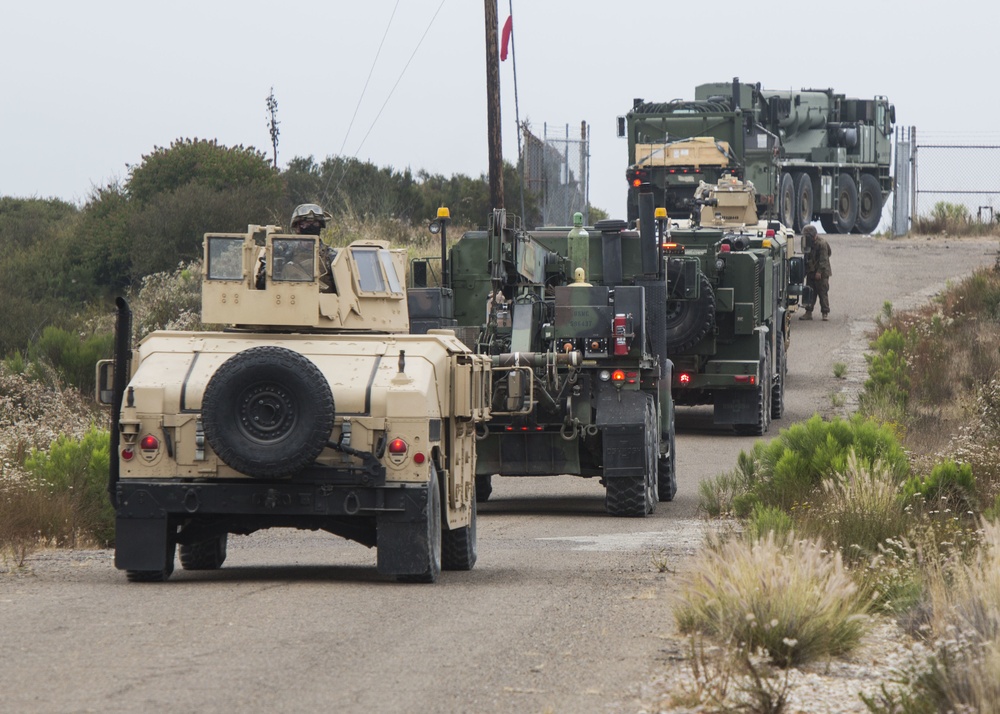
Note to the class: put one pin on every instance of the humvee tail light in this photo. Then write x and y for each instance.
(397, 446)
(618, 376)
(684, 378)
(149, 443)
(750, 379)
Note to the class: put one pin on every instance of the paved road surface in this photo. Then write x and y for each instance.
(565, 612)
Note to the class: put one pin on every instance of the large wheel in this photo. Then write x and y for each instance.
(458, 545)
(637, 497)
(155, 576)
(431, 535)
(829, 224)
(688, 321)
(667, 472)
(845, 213)
(204, 555)
(780, 371)
(786, 200)
(869, 204)
(268, 412)
(763, 393)
(803, 201)
(484, 487)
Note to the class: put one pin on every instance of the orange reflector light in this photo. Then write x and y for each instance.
(397, 446)
(618, 376)
(149, 443)
(636, 182)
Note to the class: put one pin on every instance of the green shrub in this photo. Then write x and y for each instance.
(73, 358)
(77, 469)
(888, 371)
(768, 519)
(793, 598)
(948, 481)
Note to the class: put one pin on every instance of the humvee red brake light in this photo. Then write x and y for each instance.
(397, 446)
(149, 443)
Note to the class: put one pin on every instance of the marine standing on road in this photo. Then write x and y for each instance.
(817, 253)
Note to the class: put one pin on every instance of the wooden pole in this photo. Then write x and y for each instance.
(493, 134)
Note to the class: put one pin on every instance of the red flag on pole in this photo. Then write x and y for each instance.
(508, 27)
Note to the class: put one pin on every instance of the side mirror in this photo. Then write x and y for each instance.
(105, 382)
(621, 126)
(796, 270)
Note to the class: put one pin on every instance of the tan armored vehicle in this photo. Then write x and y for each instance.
(313, 409)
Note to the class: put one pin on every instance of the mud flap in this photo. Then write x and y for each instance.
(141, 543)
(621, 419)
(736, 406)
(402, 545)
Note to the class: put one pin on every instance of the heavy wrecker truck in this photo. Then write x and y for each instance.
(313, 408)
(573, 322)
(734, 284)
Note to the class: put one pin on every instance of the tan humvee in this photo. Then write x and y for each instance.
(313, 409)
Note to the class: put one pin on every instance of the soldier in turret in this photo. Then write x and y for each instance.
(817, 253)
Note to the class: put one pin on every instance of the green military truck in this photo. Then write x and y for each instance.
(811, 154)
(313, 408)
(573, 323)
(733, 286)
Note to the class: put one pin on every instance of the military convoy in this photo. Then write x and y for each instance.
(812, 154)
(734, 284)
(314, 408)
(574, 324)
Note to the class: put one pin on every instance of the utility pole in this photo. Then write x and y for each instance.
(493, 135)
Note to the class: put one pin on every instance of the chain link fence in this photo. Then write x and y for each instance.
(957, 169)
(557, 171)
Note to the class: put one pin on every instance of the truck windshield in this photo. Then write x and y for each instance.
(225, 258)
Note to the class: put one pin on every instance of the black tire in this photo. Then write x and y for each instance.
(759, 428)
(667, 471)
(484, 488)
(688, 321)
(845, 213)
(637, 497)
(869, 205)
(829, 224)
(268, 412)
(155, 576)
(458, 545)
(803, 201)
(786, 200)
(204, 555)
(780, 371)
(432, 535)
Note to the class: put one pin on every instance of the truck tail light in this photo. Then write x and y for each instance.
(684, 378)
(750, 379)
(620, 335)
(397, 446)
(149, 443)
(618, 376)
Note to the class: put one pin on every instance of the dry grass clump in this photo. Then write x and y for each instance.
(790, 597)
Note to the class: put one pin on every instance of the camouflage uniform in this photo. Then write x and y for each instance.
(818, 270)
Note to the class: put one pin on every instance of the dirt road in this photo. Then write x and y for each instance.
(565, 612)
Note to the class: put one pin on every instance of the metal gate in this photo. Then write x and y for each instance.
(557, 170)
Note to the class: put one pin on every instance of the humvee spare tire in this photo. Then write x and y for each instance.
(268, 412)
(688, 321)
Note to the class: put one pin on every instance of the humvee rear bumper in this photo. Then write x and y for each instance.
(152, 516)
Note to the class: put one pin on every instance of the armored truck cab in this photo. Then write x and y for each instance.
(733, 286)
(573, 323)
(312, 407)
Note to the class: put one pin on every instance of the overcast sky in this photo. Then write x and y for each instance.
(89, 87)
